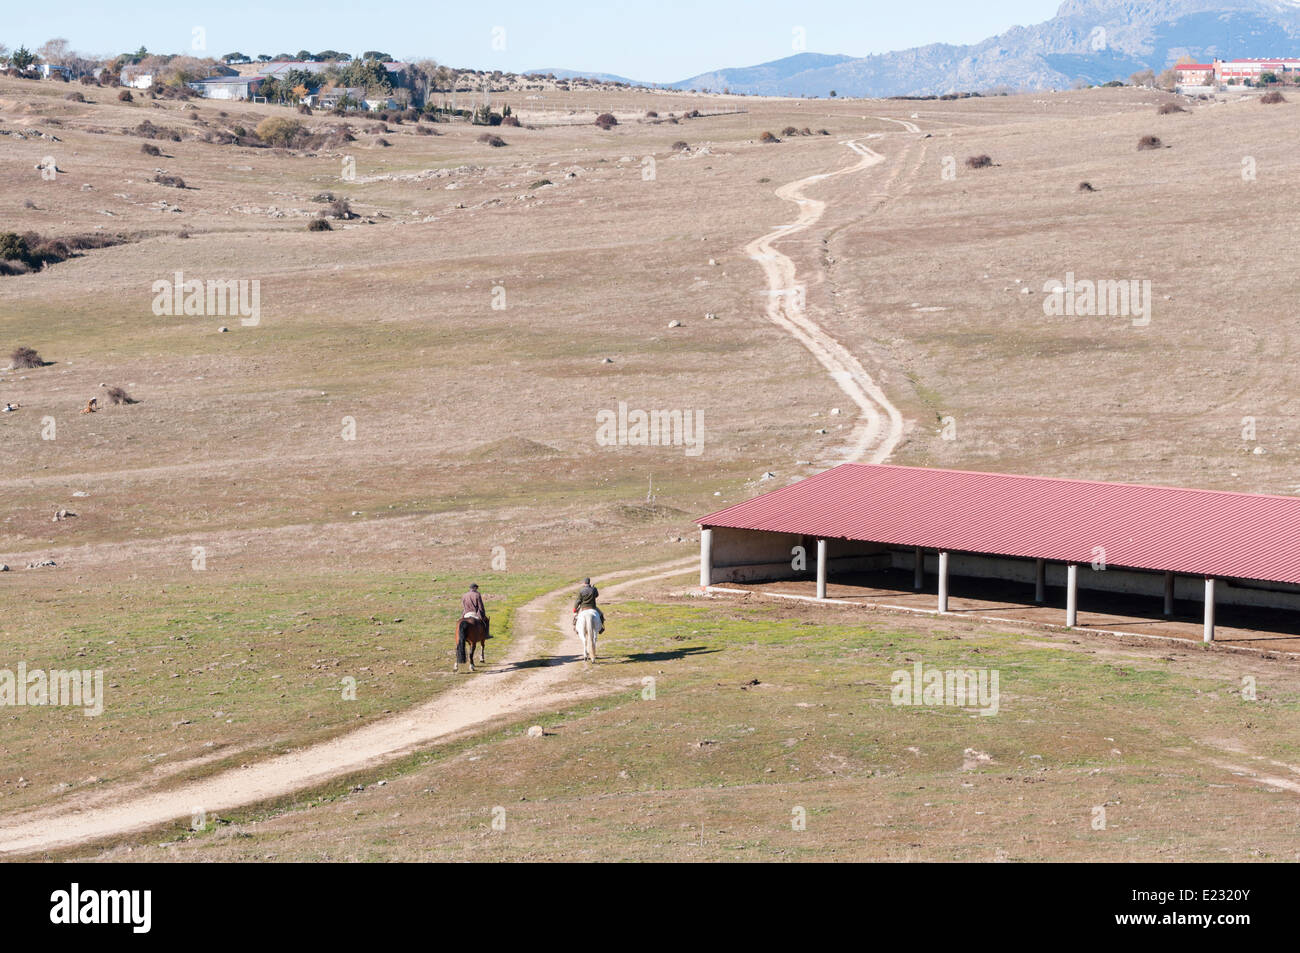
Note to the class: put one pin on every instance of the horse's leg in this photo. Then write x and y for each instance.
(482, 646)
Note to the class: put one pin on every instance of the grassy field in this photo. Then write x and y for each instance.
(756, 714)
(417, 409)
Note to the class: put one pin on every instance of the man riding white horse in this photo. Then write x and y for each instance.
(586, 599)
(588, 620)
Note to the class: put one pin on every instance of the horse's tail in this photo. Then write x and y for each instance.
(464, 628)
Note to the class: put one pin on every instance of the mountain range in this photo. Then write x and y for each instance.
(1090, 41)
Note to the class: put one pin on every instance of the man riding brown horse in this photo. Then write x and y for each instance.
(473, 628)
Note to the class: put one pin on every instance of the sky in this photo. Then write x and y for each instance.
(648, 40)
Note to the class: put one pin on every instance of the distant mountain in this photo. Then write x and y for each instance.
(1089, 40)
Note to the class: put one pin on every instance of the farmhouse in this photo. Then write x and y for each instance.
(227, 87)
(1136, 544)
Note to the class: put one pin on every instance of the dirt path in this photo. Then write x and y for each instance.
(882, 423)
(531, 677)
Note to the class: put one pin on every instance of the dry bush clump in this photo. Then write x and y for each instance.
(1170, 108)
(280, 132)
(495, 141)
(75, 97)
(1086, 187)
(651, 114)
(117, 395)
(319, 225)
(979, 162)
(150, 149)
(341, 209)
(505, 121)
(125, 96)
(1270, 98)
(148, 130)
(606, 121)
(768, 137)
(171, 181)
(1150, 142)
(789, 131)
(304, 109)
(382, 143)
(681, 145)
(541, 182)
(23, 358)
(29, 252)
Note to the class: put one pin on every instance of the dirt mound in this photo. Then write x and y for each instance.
(511, 449)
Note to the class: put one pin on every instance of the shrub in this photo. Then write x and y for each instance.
(823, 132)
(319, 225)
(304, 109)
(150, 149)
(171, 181)
(979, 162)
(510, 121)
(1086, 187)
(125, 96)
(279, 131)
(494, 141)
(1168, 108)
(1150, 142)
(768, 137)
(383, 143)
(342, 208)
(651, 114)
(75, 97)
(1269, 99)
(606, 121)
(23, 358)
(323, 197)
(681, 145)
(541, 182)
(789, 131)
(118, 396)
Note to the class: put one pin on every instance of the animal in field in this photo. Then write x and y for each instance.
(470, 631)
(587, 625)
(92, 405)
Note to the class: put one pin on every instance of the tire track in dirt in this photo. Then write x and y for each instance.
(882, 429)
(531, 677)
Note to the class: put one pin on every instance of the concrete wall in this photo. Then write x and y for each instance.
(752, 556)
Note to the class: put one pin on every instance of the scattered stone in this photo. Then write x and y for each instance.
(536, 731)
(80, 493)
(42, 564)
(674, 324)
(607, 360)
(710, 317)
(223, 329)
(3, 568)
(769, 475)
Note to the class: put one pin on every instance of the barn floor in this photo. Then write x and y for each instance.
(1270, 630)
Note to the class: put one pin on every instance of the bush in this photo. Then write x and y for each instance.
(150, 149)
(494, 141)
(75, 97)
(1086, 187)
(342, 208)
(383, 143)
(118, 396)
(23, 358)
(681, 145)
(319, 225)
(1149, 142)
(323, 197)
(279, 131)
(651, 114)
(606, 121)
(510, 121)
(125, 96)
(541, 182)
(171, 181)
(304, 109)
(1168, 108)
(768, 137)
(789, 131)
(823, 132)
(1269, 99)
(979, 162)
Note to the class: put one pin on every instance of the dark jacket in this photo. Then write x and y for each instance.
(587, 596)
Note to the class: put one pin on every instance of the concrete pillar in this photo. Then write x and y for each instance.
(918, 569)
(943, 582)
(1169, 594)
(1040, 582)
(821, 569)
(706, 557)
(1072, 595)
(1209, 609)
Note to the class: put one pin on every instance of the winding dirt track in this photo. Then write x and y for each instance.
(787, 308)
(530, 678)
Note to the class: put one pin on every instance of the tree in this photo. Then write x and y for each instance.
(1168, 79)
(833, 94)
(424, 78)
(235, 58)
(1144, 77)
(54, 51)
(332, 56)
(263, 57)
(22, 58)
(375, 55)
(1268, 77)
(304, 55)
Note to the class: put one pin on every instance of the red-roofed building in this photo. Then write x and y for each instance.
(1195, 74)
(1238, 71)
(1236, 548)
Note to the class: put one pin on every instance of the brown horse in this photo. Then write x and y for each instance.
(470, 632)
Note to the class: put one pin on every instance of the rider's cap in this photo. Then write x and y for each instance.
(473, 585)
(587, 581)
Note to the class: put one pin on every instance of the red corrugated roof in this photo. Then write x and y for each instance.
(1197, 532)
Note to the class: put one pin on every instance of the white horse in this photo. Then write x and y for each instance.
(587, 625)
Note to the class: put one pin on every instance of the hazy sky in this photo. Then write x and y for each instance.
(652, 40)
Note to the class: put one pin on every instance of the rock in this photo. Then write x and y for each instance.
(63, 515)
(713, 262)
(42, 564)
(607, 360)
(769, 475)
(3, 568)
(710, 317)
(674, 324)
(222, 330)
(835, 411)
(80, 493)
(536, 731)
(823, 431)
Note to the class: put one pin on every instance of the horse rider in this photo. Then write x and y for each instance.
(471, 605)
(586, 599)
